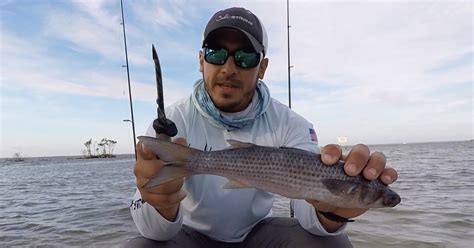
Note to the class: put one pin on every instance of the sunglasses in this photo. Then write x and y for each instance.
(242, 59)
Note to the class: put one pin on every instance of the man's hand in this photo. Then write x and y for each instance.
(359, 160)
(165, 198)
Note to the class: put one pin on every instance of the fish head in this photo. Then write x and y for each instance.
(390, 198)
(376, 195)
(361, 193)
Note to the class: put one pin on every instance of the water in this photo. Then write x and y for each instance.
(75, 202)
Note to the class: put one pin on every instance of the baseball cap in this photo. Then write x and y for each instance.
(240, 19)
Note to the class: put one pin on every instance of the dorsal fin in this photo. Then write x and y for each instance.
(237, 144)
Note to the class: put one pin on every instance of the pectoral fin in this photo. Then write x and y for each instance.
(339, 187)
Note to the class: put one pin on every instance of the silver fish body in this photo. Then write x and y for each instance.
(289, 172)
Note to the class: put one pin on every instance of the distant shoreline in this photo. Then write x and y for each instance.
(348, 145)
(74, 157)
(420, 142)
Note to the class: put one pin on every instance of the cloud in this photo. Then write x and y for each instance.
(89, 30)
(163, 14)
(365, 69)
(370, 52)
(54, 74)
(98, 84)
(91, 27)
(373, 52)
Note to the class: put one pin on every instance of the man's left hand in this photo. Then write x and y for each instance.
(358, 160)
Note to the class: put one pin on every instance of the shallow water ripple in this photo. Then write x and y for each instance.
(63, 202)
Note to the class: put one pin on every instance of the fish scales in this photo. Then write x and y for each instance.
(251, 166)
(289, 172)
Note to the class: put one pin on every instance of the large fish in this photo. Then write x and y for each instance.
(289, 172)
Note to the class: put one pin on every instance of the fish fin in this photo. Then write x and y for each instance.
(291, 148)
(168, 151)
(338, 187)
(233, 184)
(237, 144)
(166, 174)
(176, 164)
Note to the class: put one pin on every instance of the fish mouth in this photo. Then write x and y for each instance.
(391, 200)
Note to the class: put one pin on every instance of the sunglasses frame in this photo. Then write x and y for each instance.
(236, 62)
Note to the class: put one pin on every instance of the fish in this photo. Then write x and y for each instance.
(289, 172)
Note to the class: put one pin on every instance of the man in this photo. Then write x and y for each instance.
(230, 102)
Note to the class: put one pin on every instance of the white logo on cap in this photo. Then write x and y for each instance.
(227, 16)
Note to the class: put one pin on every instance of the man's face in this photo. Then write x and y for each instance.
(231, 88)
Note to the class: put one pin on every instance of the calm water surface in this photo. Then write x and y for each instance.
(62, 202)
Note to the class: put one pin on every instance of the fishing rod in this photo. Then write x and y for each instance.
(128, 79)
(292, 209)
(288, 38)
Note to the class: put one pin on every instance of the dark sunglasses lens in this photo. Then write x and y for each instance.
(216, 57)
(241, 58)
(246, 59)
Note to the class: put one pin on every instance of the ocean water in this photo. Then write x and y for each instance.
(64, 202)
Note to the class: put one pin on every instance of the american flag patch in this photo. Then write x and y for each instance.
(313, 135)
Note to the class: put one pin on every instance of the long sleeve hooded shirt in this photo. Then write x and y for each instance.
(223, 214)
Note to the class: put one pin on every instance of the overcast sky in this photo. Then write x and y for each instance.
(374, 71)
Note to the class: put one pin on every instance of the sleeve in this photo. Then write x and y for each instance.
(148, 220)
(303, 136)
(150, 223)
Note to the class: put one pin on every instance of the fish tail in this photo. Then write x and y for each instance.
(168, 151)
(176, 158)
(170, 172)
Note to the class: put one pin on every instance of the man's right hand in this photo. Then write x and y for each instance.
(165, 198)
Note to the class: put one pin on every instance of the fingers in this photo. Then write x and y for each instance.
(389, 175)
(167, 188)
(330, 154)
(372, 166)
(146, 168)
(164, 196)
(144, 153)
(181, 141)
(147, 164)
(356, 160)
(375, 166)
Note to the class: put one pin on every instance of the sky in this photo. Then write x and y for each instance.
(376, 72)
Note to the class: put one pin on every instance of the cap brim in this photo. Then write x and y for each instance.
(255, 44)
